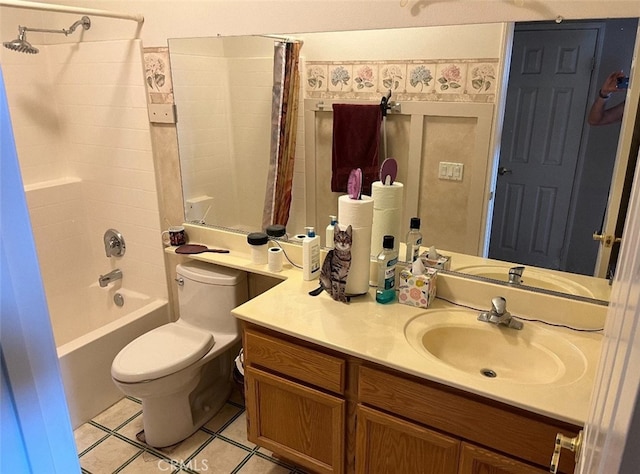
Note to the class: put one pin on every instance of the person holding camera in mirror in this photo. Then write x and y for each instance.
(599, 114)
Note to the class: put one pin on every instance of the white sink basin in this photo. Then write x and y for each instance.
(532, 355)
(530, 277)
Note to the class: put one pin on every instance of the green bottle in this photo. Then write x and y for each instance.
(387, 260)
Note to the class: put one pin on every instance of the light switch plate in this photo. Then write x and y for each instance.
(450, 171)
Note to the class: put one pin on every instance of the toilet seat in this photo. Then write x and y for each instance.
(160, 352)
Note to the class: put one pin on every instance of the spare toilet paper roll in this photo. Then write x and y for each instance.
(388, 203)
(387, 196)
(385, 222)
(358, 213)
(275, 259)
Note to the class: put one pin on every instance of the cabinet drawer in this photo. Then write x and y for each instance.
(475, 460)
(299, 423)
(527, 436)
(301, 363)
(389, 445)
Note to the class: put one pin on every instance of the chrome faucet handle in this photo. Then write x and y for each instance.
(498, 305)
(515, 273)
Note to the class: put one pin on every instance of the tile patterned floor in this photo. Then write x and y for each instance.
(108, 444)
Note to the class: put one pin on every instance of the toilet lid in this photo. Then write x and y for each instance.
(162, 351)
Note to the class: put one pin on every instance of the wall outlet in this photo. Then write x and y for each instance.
(450, 171)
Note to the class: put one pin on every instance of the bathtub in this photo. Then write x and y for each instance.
(89, 332)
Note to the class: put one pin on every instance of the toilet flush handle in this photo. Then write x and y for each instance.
(180, 281)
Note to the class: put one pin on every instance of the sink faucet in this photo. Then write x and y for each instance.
(499, 315)
(515, 275)
(112, 276)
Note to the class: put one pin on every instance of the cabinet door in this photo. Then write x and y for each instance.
(299, 423)
(475, 460)
(389, 445)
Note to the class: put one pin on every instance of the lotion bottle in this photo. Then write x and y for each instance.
(310, 255)
(414, 239)
(387, 260)
(328, 240)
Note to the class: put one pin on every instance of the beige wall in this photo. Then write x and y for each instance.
(188, 18)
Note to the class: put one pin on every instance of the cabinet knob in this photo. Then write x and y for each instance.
(562, 441)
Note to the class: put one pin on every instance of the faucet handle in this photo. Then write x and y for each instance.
(498, 305)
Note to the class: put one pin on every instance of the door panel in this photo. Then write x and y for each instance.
(544, 116)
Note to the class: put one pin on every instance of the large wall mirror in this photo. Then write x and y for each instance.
(222, 90)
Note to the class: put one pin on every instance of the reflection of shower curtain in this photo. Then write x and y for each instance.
(284, 124)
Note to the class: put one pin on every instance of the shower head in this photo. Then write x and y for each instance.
(21, 44)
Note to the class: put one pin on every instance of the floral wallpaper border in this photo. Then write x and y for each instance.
(447, 80)
(157, 74)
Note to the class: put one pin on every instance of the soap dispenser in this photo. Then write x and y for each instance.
(310, 255)
(328, 240)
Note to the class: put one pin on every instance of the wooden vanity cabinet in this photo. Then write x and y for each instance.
(332, 413)
(295, 403)
(519, 441)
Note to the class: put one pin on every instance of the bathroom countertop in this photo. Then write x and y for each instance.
(376, 333)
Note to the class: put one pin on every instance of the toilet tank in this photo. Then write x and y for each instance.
(207, 293)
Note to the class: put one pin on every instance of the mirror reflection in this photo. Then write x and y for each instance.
(434, 126)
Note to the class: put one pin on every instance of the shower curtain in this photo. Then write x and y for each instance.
(284, 124)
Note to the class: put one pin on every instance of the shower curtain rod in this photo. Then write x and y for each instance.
(284, 39)
(52, 7)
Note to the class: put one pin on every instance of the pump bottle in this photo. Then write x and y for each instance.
(328, 240)
(387, 260)
(310, 255)
(414, 239)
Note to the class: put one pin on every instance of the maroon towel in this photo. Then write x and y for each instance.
(356, 144)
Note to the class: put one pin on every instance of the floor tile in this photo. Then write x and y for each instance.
(107, 456)
(258, 465)
(226, 413)
(148, 463)
(131, 429)
(237, 431)
(118, 413)
(185, 449)
(218, 457)
(86, 435)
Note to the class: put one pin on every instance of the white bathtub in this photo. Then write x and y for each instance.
(89, 338)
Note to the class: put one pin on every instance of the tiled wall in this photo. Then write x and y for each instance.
(79, 114)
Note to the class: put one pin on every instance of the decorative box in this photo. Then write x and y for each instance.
(417, 290)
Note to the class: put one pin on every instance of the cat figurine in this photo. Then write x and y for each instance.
(335, 268)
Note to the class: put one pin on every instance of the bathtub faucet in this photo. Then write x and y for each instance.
(113, 275)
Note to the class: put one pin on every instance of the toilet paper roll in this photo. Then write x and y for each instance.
(387, 197)
(275, 259)
(385, 222)
(359, 214)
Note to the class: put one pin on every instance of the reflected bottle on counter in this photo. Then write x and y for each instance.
(414, 240)
(387, 260)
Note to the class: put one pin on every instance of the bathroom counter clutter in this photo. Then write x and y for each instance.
(551, 374)
(378, 333)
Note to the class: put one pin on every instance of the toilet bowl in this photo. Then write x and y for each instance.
(182, 370)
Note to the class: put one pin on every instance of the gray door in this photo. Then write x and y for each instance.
(545, 110)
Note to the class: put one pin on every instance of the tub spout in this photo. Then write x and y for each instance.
(113, 275)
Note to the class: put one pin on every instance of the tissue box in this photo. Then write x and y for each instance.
(443, 262)
(417, 290)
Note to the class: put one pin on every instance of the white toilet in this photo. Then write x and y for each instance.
(182, 371)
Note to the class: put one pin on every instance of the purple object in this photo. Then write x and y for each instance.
(389, 169)
(354, 185)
